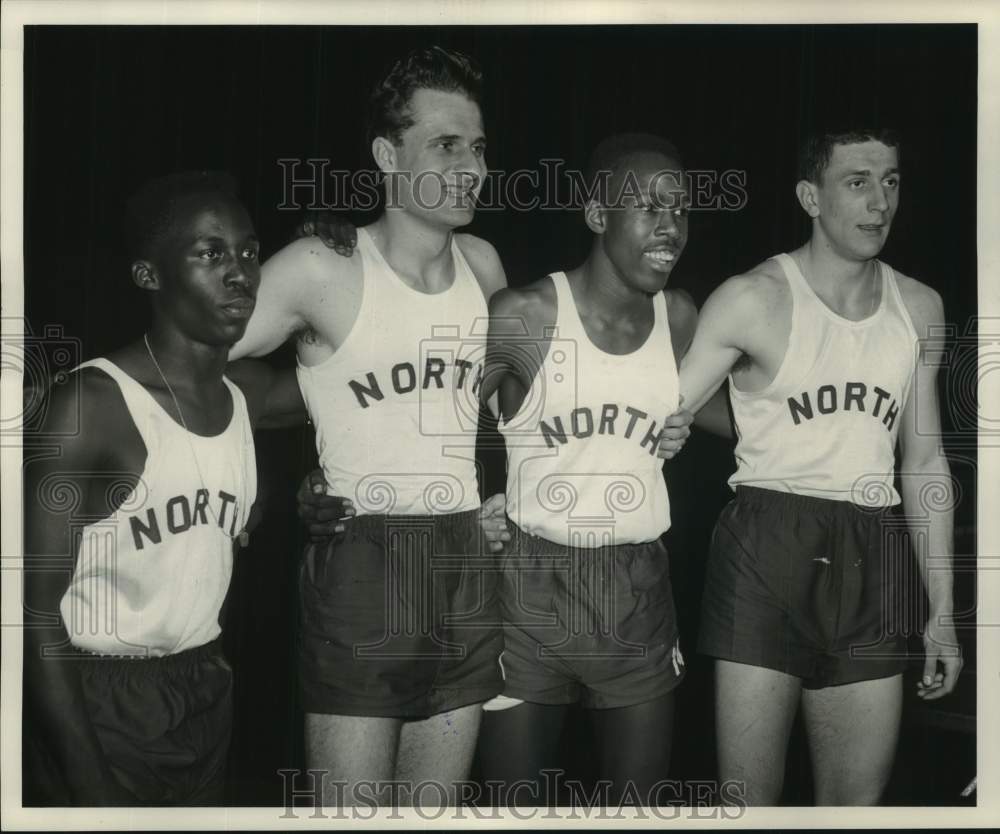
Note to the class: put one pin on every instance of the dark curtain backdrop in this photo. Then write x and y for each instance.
(107, 107)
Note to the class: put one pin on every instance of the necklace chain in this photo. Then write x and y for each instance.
(242, 535)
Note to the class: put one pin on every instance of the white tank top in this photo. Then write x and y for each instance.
(826, 425)
(151, 578)
(582, 469)
(396, 407)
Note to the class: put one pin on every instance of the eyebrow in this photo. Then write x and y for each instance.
(454, 137)
(866, 172)
(217, 239)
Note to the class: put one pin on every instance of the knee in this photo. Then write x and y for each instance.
(851, 793)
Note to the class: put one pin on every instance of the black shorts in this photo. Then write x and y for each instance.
(593, 625)
(399, 618)
(805, 586)
(164, 724)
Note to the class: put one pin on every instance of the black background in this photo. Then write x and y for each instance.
(107, 107)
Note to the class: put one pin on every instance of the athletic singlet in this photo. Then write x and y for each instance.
(150, 579)
(826, 425)
(396, 407)
(582, 468)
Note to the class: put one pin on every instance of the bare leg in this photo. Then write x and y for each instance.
(754, 710)
(437, 751)
(351, 749)
(635, 746)
(514, 747)
(853, 730)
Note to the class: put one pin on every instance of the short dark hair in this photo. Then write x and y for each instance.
(816, 151)
(151, 213)
(431, 68)
(611, 152)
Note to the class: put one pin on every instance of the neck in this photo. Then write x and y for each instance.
(600, 284)
(828, 270)
(186, 363)
(411, 242)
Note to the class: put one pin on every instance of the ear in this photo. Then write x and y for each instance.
(808, 197)
(144, 275)
(384, 153)
(595, 216)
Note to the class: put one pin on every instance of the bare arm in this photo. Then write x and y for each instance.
(714, 416)
(720, 339)
(55, 489)
(928, 500)
(274, 398)
(515, 348)
(287, 287)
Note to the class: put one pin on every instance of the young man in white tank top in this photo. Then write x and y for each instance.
(129, 699)
(391, 691)
(585, 369)
(823, 350)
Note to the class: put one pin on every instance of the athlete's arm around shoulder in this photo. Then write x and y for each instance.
(274, 399)
(87, 421)
(925, 472)
(736, 319)
(485, 263)
(299, 284)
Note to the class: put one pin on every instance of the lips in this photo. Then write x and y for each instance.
(465, 197)
(871, 227)
(239, 308)
(661, 258)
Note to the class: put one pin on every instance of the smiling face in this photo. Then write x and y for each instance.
(854, 203)
(206, 270)
(437, 170)
(644, 228)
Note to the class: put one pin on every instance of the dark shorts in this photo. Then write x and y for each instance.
(593, 625)
(399, 618)
(163, 722)
(805, 586)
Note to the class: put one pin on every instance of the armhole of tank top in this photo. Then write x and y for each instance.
(345, 346)
(138, 402)
(463, 267)
(506, 423)
(661, 321)
(245, 428)
(891, 285)
(567, 322)
(778, 383)
(241, 411)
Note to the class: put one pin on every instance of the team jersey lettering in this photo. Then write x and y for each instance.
(180, 515)
(403, 379)
(855, 396)
(581, 423)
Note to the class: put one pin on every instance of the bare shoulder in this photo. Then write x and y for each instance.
(86, 413)
(682, 319)
(922, 302)
(485, 262)
(533, 306)
(758, 291)
(306, 262)
(681, 308)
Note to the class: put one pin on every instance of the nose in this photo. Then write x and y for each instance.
(468, 168)
(666, 224)
(241, 273)
(878, 201)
